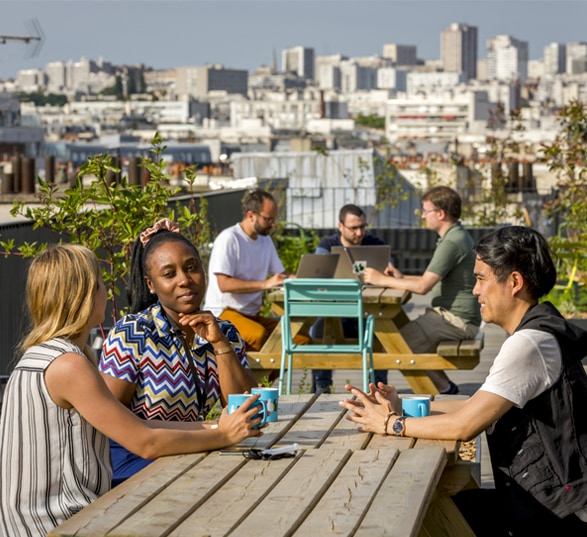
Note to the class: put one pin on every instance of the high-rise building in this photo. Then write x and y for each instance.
(555, 58)
(458, 49)
(507, 58)
(576, 58)
(400, 54)
(299, 60)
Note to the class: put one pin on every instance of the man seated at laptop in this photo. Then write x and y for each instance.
(243, 264)
(352, 224)
(454, 312)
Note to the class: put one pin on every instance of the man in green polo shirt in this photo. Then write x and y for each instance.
(454, 311)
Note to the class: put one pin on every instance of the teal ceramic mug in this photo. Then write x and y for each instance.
(271, 397)
(236, 400)
(416, 406)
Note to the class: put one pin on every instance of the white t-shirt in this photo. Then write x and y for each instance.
(239, 256)
(528, 363)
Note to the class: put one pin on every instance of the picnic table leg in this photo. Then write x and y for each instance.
(444, 518)
(392, 342)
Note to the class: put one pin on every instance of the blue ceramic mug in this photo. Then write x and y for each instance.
(271, 397)
(235, 400)
(416, 406)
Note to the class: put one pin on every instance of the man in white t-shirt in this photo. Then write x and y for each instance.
(531, 405)
(243, 264)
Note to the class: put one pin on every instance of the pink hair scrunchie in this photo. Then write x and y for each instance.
(164, 223)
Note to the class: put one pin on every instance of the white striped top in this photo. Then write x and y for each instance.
(53, 462)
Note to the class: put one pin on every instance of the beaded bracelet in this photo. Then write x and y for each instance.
(386, 421)
(224, 350)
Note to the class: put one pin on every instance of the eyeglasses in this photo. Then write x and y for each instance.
(356, 228)
(426, 211)
(268, 219)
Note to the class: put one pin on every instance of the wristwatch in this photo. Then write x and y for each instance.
(399, 426)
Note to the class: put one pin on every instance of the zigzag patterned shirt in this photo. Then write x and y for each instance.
(141, 348)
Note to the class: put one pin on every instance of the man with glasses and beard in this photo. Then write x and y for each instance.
(352, 226)
(243, 264)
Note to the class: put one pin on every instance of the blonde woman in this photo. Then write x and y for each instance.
(58, 412)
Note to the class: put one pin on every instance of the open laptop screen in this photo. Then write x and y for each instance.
(376, 257)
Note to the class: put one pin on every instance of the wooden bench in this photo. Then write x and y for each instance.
(467, 347)
(450, 356)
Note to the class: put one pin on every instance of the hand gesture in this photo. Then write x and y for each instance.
(370, 410)
(204, 324)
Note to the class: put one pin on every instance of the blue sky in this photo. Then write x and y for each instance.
(243, 33)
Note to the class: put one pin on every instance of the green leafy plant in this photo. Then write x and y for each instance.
(566, 157)
(107, 216)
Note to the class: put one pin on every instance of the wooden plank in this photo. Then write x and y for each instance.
(404, 497)
(312, 429)
(457, 477)
(303, 486)
(381, 360)
(451, 447)
(349, 497)
(113, 508)
(231, 503)
(379, 441)
(176, 502)
(444, 519)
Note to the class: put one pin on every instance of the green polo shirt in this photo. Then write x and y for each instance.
(453, 260)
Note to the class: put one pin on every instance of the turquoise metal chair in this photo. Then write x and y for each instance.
(317, 297)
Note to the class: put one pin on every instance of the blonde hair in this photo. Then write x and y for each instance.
(60, 293)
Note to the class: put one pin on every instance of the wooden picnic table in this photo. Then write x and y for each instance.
(390, 349)
(340, 483)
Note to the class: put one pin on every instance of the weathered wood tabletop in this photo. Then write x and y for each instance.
(340, 483)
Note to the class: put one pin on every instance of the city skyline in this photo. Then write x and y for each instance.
(245, 34)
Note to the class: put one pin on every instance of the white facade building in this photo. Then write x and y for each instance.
(438, 118)
(432, 83)
(507, 58)
(576, 58)
(555, 58)
(392, 78)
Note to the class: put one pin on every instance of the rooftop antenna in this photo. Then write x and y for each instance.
(35, 36)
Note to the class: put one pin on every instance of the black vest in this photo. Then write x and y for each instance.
(539, 452)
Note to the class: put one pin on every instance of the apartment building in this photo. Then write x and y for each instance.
(401, 54)
(437, 118)
(507, 58)
(555, 58)
(199, 82)
(458, 50)
(299, 60)
(576, 58)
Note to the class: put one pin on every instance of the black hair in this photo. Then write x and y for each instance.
(254, 200)
(349, 208)
(138, 293)
(520, 249)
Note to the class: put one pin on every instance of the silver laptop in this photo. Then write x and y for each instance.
(376, 257)
(317, 265)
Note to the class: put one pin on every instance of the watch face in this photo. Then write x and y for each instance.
(398, 427)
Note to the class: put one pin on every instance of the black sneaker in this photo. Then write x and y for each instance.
(452, 389)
